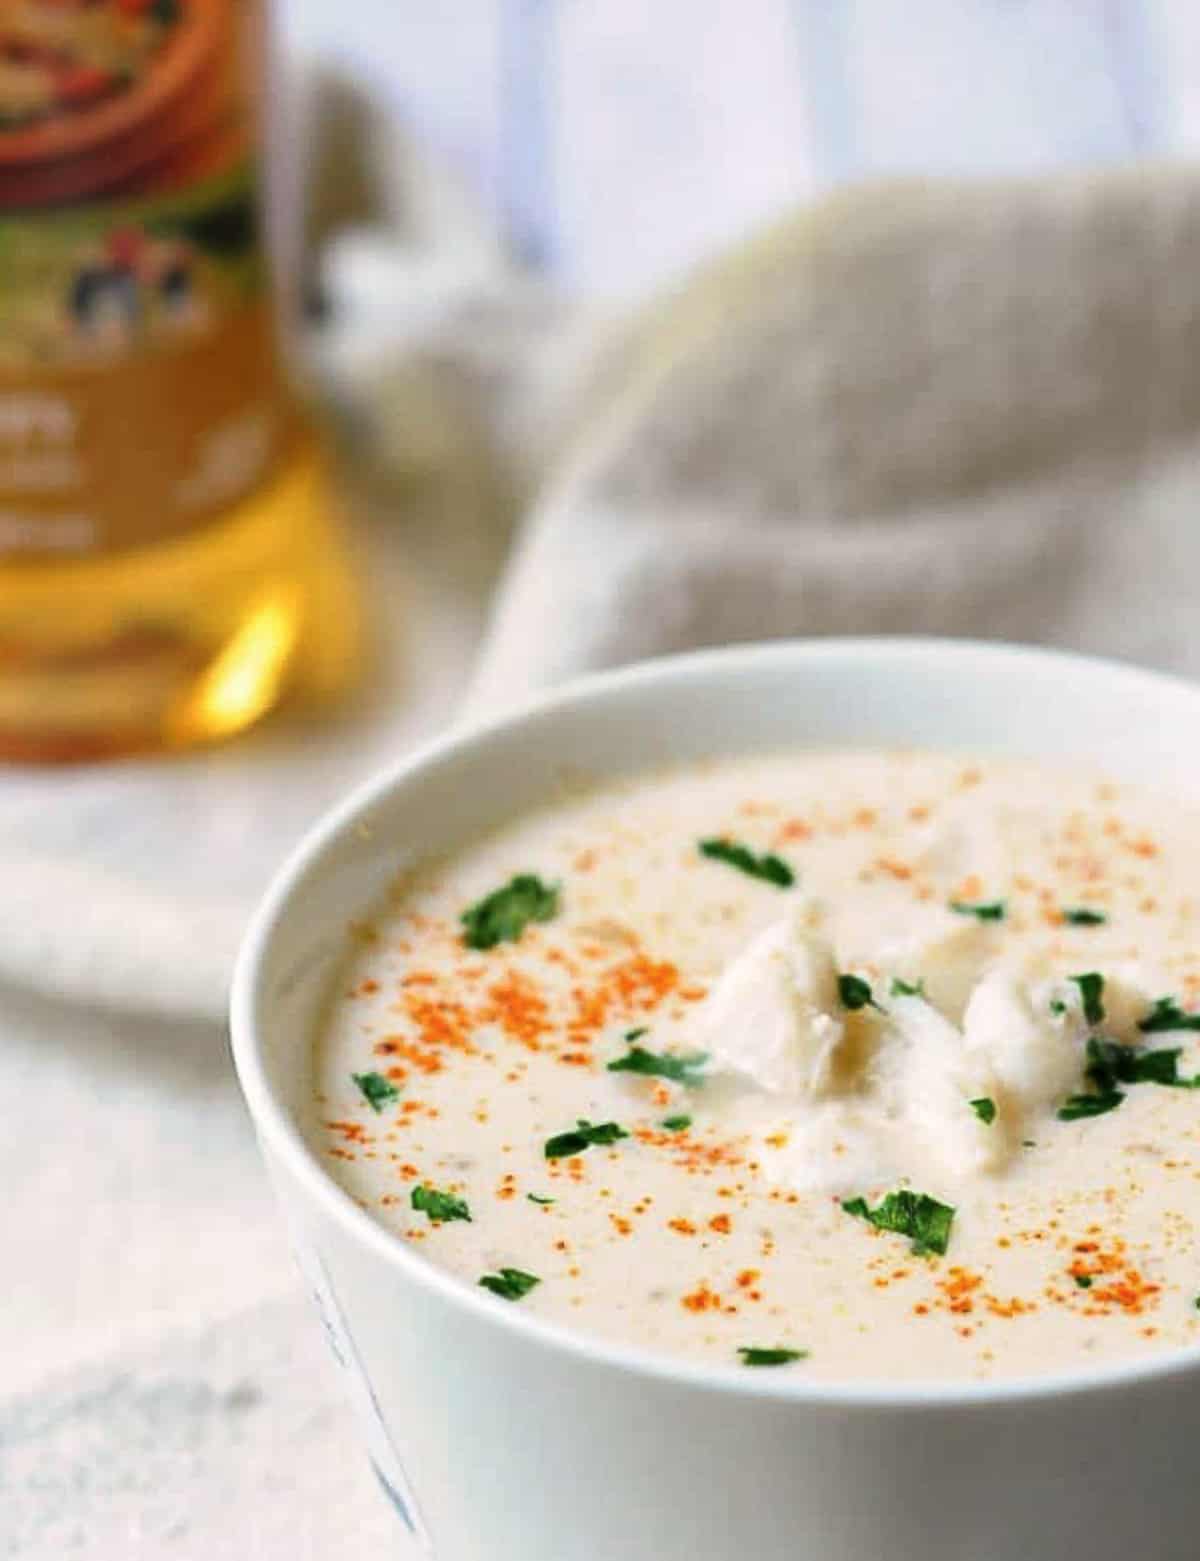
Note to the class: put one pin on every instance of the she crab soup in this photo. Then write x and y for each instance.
(860, 1065)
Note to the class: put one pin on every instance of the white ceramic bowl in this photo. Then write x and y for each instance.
(503, 1438)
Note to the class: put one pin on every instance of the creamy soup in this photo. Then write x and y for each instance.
(855, 1065)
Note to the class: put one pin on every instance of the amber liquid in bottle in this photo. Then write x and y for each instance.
(170, 644)
(171, 565)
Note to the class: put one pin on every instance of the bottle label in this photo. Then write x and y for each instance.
(140, 385)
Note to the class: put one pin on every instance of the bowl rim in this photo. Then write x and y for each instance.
(281, 1133)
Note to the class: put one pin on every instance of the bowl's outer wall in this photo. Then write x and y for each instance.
(504, 1450)
(510, 1447)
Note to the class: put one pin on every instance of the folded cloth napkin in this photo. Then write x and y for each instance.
(942, 408)
(965, 409)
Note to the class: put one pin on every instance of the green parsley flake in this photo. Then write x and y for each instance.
(659, 1065)
(1083, 916)
(1084, 1281)
(1091, 990)
(914, 1214)
(770, 868)
(583, 1136)
(510, 1284)
(901, 988)
(534, 1198)
(377, 1091)
(753, 1355)
(985, 1109)
(676, 1124)
(1109, 1063)
(856, 993)
(1080, 1106)
(1167, 1015)
(505, 913)
(982, 910)
(440, 1206)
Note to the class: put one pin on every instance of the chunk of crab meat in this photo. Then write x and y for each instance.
(945, 952)
(1127, 996)
(772, 1016)
(1035, 1050)
(931, 1076)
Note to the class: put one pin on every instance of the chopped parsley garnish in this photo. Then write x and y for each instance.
(985, 1109)
(1084, 1281)
(914, 1214)
(770, 868)
(676, 1124)
(901, 988)
(1080, 1106)
(635, 1035)
(510, 1284)
(1083, 916)
(534, 1198)
(1057, 1007)
(753, 1355)
(856, 993)
(1109, 1063)
(440, 1206)
(1167, 1015)
(982, 910)
(682, 1069)
(584, 1135)
(505, 913)
(377, 1091)
(1091, 990)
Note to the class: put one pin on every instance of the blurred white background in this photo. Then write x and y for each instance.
(613, 143)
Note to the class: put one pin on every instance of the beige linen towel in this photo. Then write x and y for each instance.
(959, 409)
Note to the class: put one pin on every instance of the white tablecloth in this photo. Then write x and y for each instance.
(164, 1391)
